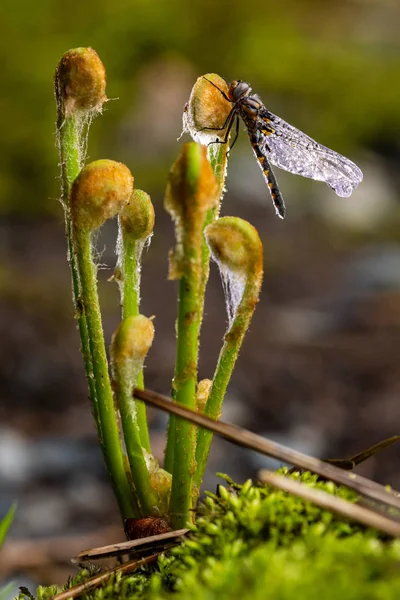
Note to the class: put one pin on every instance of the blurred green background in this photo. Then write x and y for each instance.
(332, 69)
(319, 369)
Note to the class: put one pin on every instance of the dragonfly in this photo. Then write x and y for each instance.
(276, 142)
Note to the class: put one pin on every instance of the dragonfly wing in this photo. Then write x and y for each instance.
(290, 149)
(276, 196)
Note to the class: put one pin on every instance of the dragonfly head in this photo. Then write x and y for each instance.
(238, 89)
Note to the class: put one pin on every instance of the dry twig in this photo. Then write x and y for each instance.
(337, 505)
(162, 539)
(95, 581)
(243, 437)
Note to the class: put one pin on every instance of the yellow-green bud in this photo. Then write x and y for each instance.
(132, 340)
(101, 190)
(237, 249)
(191, 191)
(202, 392)
(207, 108)
(80, 81)
(137, 217)
(192, 188)
(235, 245)
(160, 481)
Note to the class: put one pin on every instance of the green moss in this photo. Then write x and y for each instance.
(350, 568)
(255, 542)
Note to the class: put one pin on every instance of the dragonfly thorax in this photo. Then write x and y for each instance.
(238, 89)
(249, 105)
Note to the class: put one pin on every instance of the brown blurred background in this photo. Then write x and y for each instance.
(319, 367)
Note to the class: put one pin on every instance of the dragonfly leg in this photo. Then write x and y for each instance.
(236, 133)
(225, 141)
(228, 127)
(227, 123)
(219, 89)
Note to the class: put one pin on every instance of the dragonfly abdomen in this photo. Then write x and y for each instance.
(276, 196)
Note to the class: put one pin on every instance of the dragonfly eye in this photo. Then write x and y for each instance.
(239, 89)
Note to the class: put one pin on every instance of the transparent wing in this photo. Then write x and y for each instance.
(290, 149)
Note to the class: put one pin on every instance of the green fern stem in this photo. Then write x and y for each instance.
(69, 144)
(237, 249)
(108, 427)
(130, 269)
(191, 193)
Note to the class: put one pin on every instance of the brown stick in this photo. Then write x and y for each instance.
(125, 547)
(77, 590)
(332, 503)
(372, 450)
(243, 437)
